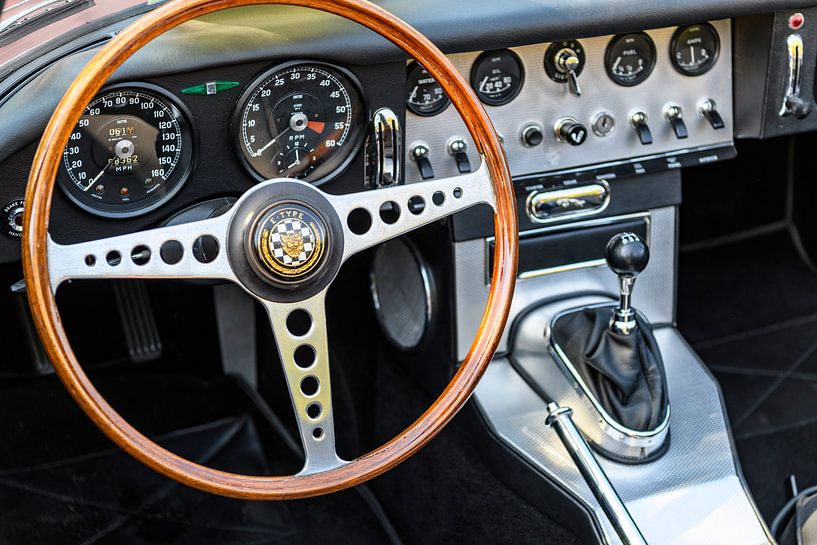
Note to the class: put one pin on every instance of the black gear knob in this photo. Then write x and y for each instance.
(627, 254)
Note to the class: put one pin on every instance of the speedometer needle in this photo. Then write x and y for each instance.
(98, 176)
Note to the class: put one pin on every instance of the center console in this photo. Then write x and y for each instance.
(596, 132)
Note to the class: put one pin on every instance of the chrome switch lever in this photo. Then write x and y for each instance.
(627, 256)
(570, 63)
(675, 117)
(793, 104)
(384, 149)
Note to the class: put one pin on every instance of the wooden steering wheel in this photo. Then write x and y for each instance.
(293, 300)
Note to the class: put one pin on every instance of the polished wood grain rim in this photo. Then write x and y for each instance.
(38, 200)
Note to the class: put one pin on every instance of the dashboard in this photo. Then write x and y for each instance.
(575, 114)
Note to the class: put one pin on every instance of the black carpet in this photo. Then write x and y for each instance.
(749, 308)
(65, 483)
(446, 494)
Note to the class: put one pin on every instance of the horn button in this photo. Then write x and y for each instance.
(286, 241)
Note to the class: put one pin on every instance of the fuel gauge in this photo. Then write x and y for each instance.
(694, 49)
(630, 58)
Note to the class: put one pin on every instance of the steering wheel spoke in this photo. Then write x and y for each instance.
(393, 211)
(190, 250)
(300, 334)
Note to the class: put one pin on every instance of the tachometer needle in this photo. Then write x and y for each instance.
(98, 176)
(271, 142)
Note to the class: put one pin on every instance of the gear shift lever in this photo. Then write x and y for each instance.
(617, 356)
(627, 255)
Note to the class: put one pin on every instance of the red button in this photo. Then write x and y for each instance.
(796, 21)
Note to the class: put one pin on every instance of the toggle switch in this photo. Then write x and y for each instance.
(710, 111)
(419, 153)
(639, 121)
(674, 115)
(457, 149)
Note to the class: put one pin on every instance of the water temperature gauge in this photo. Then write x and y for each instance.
(424, 96)
(497, 77)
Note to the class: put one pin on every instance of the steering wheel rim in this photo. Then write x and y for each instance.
(41, 287)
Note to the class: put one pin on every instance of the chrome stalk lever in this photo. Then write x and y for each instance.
(560, 419)
(627, 256)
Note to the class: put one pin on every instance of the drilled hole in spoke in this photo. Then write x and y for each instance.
(309, 385)
(416, 205)
(457, 192)
(359, 221)
(314, 411)
(113, 258)
(304, 356)
(317, 433)
(390, 212)
(298, 322)
(205, 249)
(90, 260)
(438, 198)
(140, 255)
(171, 252)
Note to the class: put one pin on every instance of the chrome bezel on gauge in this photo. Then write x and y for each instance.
(713, 60)
(608, 54)
(514, 91)
(185, 166)
(354, 146)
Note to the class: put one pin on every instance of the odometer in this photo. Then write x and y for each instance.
(130, 152)
(300, 120)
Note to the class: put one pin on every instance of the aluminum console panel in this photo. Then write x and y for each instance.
(542, 102)
(693, 495)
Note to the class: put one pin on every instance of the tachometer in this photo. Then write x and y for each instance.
(300, 120)
(130, 152)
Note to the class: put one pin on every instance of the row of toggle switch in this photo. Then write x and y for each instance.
(568, 130)
(456, 148)
(571, 131)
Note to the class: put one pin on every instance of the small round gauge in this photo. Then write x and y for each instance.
(630, 58)
(299, 120)
(424, 96)
(130, 152)
(694, 49)
(497, 77)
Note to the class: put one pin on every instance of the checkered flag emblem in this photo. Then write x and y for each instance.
(292, 242)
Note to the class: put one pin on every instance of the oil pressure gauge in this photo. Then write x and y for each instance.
(497, 77)
(694, 49)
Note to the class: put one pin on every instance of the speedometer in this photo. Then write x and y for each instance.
(300, 120)
(130, 152)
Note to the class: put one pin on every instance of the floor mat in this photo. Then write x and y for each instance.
(105, 497)
(759, 339)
